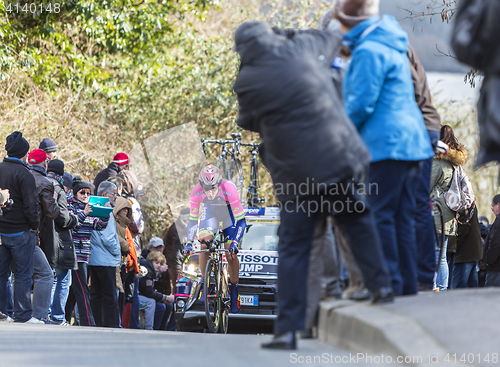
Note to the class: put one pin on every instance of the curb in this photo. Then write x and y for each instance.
(374, 330)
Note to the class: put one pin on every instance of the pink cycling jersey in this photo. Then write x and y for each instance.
(227, 191)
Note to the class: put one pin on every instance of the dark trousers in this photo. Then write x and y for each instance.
(298, 220)
(80, 289)
(394, 205)
(103, 297)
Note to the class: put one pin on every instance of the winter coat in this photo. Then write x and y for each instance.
(491, 255)
(286, 94)
(111, 171)
(83, 230)
(23, 216)
(105, 246)
(173, 247)
(125, 237)
(441, 176)
(65, 221)
(432, 119)
(469, 244)
(48, 209)
(146, 283)
(378, 92)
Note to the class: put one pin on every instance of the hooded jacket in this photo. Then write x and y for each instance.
(105, 246)
(441, 176)
(286, 94)
(65, 221)
(125, 237)
(378, 92)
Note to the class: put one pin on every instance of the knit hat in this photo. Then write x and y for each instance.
(48, 145)
(121, 159)
(56, 166)
(352, 12)
(156, 242)
(67, 180)
(79, 184)
(37, 156)
(16, 145)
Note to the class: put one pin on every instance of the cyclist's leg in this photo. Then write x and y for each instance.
(208, 226)
(233, 263)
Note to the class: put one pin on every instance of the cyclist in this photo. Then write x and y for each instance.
(221, 205)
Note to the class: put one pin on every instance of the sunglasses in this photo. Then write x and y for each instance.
(210, 187)
(84, 193)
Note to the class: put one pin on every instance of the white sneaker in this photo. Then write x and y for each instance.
(5, 318)
(34, 321)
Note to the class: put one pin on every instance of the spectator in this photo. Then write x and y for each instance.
(442, 174)
(163, 284)
(103, 263)
(154, 313)
(79, 205)
(45, 254)
(68, 183)
(469, 250)
(49, 146)
(63, 240)
(426, 239)
(174, 238)
(379, 98)
(308, 142)
(491, 255)
(120, 162)
(118, 181)
(17, 228)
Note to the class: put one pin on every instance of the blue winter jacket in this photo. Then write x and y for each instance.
(105, 246)
(378, 92)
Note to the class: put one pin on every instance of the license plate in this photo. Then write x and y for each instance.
(249, 300)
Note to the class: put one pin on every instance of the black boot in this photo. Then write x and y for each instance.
(383, 295)
(284, 340)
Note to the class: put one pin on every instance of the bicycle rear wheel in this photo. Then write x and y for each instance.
(211, 291)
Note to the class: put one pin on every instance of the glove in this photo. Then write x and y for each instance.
(187, 249)
(233, 247)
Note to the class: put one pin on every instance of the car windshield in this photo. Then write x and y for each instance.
(261, 236)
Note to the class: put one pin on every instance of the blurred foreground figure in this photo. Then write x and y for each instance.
(314, 153)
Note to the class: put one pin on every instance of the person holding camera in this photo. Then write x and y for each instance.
(17, 227)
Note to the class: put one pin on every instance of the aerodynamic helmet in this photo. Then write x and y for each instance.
(210, 176)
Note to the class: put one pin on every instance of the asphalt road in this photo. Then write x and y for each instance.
(51, 345)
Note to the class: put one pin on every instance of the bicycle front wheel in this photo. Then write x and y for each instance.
(211, 291)
(224, 300)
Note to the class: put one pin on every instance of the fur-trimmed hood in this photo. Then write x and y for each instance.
(455, 157)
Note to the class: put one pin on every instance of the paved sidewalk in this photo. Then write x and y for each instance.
(458, 327)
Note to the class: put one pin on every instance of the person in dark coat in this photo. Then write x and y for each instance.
(18, 227)
(45, 252)
(312, 150)
(174, 239)
(491, 255)
(119, 163)
(469, 250)
(63, 241)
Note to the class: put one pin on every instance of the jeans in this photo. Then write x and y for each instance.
(153, 314)
(441, 281)
(103, 297)
(82, 294)
(492, 278)
(424, 222)
(295, 237)
(394, 206)
(43, 279)
(59, 295)
(10, 303)
(18, 251)
(465, 275)
(134, 310)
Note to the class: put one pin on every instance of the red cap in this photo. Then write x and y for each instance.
(37, 156)
(121, 159)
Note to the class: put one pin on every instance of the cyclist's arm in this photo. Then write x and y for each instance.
(238, 212)
(192, 227)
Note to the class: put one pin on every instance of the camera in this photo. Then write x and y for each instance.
(6, 206)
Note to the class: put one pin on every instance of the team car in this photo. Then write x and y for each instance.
(258, 256)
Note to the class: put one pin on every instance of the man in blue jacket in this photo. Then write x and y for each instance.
(379, 99)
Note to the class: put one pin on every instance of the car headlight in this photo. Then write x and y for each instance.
(180, 303)
(190, 268)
